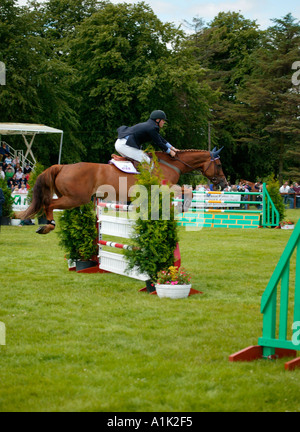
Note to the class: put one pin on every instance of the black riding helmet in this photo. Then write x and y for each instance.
(158, 114)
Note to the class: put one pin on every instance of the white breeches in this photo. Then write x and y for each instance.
(133, 153)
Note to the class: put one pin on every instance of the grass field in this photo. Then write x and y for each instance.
(80, 342)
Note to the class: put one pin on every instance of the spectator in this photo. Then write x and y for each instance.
(233, 188)
(27, 169)
(258, 186)
(285, 189)
(2, 173)
(19, 174)
(9, 173)
(8, 160)
(23, 179)
(23, 188)
(2, 201)
(291, 196)
(4, 152)
(12, 182)
(9, 166)
(17, 166)
(297, 192)
(244, 187)
(16, 162)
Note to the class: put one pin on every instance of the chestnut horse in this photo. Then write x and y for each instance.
(75, 184)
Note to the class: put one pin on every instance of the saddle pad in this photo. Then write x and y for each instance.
(124, 166)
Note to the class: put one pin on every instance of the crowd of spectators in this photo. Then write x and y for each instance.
(11, 171)
(290, 192)
(243, 187)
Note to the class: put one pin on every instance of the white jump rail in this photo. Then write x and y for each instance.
(115, 227)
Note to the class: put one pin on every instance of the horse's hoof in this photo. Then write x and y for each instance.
(41, 230)
(45, 229)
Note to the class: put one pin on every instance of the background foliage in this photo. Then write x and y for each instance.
(7, 205)
(88, 67)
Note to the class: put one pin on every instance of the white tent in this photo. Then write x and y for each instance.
(26, 129)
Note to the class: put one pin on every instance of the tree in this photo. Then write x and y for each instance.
(37, 83)
(270, 102)
(224, 48)
(129, 63)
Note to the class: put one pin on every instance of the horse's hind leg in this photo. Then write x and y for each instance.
(61, 203)
(45, 229)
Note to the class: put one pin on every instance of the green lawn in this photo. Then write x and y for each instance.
(80, 342)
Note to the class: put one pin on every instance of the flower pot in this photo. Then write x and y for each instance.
(15, 222)
(173, 291)
(288, 227)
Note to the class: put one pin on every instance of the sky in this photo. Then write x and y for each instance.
(176, 11)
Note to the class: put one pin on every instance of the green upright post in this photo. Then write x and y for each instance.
(264, 206)
(269, 344)
(269, 323)
(284, 303)
(297, 285)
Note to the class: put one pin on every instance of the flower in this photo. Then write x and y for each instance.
(174, 276)
(286, 222)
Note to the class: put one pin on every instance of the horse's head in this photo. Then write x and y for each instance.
(212, 169)
(190, 160)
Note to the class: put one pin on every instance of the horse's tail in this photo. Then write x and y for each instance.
(42, 192)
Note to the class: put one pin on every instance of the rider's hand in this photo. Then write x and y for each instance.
(172, 153)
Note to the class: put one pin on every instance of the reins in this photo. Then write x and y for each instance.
(196, 169)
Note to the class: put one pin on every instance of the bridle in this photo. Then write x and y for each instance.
(214, 178)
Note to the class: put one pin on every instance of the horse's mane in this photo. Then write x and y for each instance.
(159, 153)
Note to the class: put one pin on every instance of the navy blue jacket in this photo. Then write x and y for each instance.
(142, 133)
(2, 200)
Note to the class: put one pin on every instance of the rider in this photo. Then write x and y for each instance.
(130, 139)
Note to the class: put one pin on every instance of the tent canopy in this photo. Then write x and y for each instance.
(26, 129)
(29, 129)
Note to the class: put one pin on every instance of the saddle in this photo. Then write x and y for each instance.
(124, 164)
(124, 159)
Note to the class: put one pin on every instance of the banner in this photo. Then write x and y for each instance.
(206, 197)
(20, 201)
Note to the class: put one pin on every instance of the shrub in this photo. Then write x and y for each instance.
(78, 232)
(273, 187)
(153, 241)
(7, 205)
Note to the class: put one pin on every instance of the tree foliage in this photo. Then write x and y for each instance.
(88, 66)
(270, 102)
